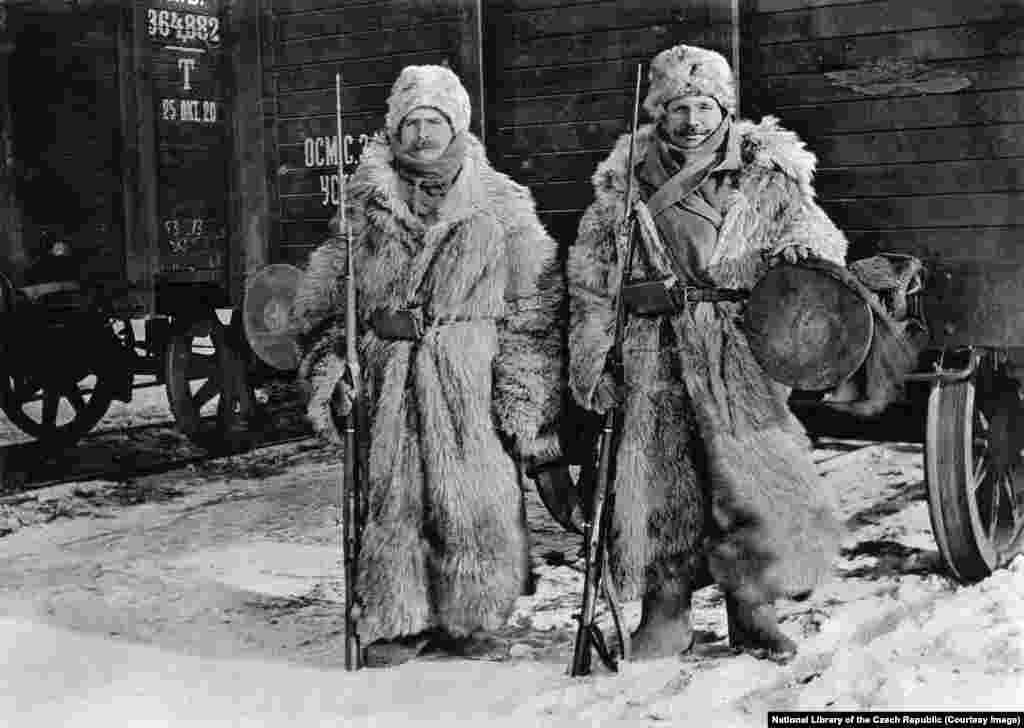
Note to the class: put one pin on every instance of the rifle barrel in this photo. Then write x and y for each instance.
(596, 530)
(349, 496)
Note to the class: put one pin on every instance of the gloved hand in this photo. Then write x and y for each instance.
(342, 399)
(792, 254)
(607, 393)
(331, 398)
(539, 452)
(560, 495)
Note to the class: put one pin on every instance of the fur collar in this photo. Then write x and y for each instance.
(376, 184)
(764, 147)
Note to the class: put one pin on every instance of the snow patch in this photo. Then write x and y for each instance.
(267, 567)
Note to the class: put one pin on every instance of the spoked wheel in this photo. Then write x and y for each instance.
(58, 388)
(975, 476)
(205, 378)
(56, 411)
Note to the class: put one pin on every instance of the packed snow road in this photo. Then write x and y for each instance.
(214, 599)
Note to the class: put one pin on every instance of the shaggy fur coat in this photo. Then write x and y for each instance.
(445, 542)
(713, 473)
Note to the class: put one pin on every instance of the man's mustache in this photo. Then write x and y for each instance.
(426, 144)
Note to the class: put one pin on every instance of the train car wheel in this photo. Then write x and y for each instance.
(58, 411)
(975, 476)
(199, 366)
(54, 397)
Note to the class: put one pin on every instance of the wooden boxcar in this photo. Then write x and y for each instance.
(186, 162)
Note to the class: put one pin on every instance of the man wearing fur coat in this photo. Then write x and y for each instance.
(713, 476)
(460, 296)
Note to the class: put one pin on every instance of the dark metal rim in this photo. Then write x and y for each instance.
(975, 483)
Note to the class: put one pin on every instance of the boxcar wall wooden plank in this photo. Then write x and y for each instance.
(615, 15)
(565, 108)
(306, 207)
(953, 244)
(590, 77)
(286, 7)
(957, 210)
(589, 136)
(297, 255)
(360, 99)
(918, 145)
(362, 45)
(293, 131)
(603, 45)
(929, 111)
(569, 195)
(369, 18)
(516, 6)
(775, 6)
(363, 72)
(976, 175)
(535, 169)
(301, 233)
(993, 73)
(924, 46)
(888, 16)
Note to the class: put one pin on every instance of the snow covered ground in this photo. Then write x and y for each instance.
(214, 599)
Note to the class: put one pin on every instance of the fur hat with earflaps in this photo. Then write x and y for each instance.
(434, 86)
(687, 71)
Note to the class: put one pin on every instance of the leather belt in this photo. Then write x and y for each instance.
(409, 324)
(697, 294)
(656, 298)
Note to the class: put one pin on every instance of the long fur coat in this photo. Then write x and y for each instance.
(445, 543)
(713, 472)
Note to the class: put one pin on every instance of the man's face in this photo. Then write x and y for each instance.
(689, 120)
(425, 133)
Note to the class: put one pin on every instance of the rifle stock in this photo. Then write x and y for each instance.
(349, 496)
(595, 535)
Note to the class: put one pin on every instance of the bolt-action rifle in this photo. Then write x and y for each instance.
(349, 495)
(596, 528)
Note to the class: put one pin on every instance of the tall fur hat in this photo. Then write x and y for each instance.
(688, 70)
(435, 86)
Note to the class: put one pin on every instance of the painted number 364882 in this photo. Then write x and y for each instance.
(183, 26)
